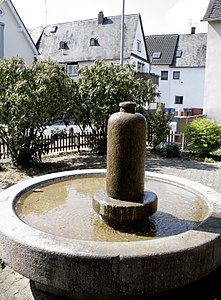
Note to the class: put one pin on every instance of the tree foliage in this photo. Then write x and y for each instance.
(204, 136)
(30, 99)
(101, 88)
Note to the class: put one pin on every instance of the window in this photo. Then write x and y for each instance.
(178, 99)
(176, 75)
(138, 46)
(140, 67)
(1, 13)
(72, 70)
(2, 40)
(63, 45)
(94, 42)
(179, 53)
(164, 75)
(156, 55)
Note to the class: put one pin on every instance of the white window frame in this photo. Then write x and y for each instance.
(72, 70)
(139, 46)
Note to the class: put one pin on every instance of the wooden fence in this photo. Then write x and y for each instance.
(178, 138)
(82, 141)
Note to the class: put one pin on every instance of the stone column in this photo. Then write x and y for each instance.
(126, 150)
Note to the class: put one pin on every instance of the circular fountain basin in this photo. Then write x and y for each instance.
(103, 262)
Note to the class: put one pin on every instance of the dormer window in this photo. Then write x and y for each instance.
(63, 45)
(54, 29)
(94, 42)
(156, 55)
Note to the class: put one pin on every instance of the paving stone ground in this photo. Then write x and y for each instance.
(14, 286)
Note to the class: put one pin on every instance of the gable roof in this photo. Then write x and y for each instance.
(192, 48)
(20, 24)
(213, 12)
(166, 44)
(77, 36)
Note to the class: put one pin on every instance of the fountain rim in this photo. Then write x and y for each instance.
(13, 229)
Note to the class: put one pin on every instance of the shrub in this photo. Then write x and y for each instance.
(30, 99)
(170, 150)
(157, 126)
(204, 136)
(101, 88)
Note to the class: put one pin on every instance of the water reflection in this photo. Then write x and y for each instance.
(65, 209)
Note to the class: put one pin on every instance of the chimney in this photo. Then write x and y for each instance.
(193, 30)
(100, 18)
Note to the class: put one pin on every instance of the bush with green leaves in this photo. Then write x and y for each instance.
(170, 150)
(30, 99)
(102, 87)
(157, 126)
(204, 136)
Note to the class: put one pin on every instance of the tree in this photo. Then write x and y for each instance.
(101, 88)
(157, 126)
(30, 99)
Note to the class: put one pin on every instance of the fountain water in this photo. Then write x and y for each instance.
(41, 238)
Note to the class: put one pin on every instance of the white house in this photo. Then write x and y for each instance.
(15, 40)
(80, 43)
(212, 103)
(179, 60)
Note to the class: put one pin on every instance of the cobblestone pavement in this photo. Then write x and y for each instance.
(14, 286)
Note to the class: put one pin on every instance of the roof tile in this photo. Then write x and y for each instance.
(213, 11)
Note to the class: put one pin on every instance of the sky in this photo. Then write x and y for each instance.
(158, 16)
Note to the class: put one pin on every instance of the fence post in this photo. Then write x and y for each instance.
(183, 141)
(77, 141)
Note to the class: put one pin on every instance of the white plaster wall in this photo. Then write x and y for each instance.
(190, 86)
(142, 53)
(15, 42)
(212, 103)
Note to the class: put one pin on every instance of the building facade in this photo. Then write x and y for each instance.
(179, 60)
(212, 104)
(80, 43)
(15, 40)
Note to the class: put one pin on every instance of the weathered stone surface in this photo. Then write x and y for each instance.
(126, 154)
(114, 270)
(124, 212)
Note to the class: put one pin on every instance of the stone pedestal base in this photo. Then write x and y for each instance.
(119, 211)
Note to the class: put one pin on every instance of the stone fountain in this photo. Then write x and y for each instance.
(127, 248)
(124, 199)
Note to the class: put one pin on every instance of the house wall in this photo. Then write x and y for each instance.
(142, 53)
(15, 42)
(190, 86)
(212, 104)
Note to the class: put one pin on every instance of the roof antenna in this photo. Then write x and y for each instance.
(46, 13)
